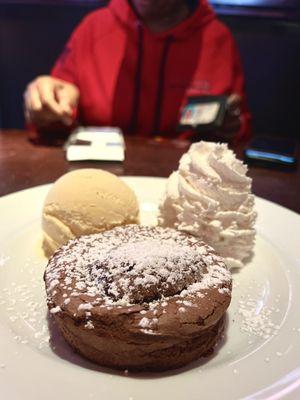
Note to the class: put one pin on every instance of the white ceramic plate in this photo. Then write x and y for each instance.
(259, 358)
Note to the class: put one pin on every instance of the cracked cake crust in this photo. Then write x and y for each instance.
(139, 298)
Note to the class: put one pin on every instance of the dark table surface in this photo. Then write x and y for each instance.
(24, 165)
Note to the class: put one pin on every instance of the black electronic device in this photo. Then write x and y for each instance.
(272, 152)
(203, 113)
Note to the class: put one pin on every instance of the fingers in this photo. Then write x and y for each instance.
(39, 101)
(67, 97)
(64, 104)
(46, 91)
(234, 100)
(49, 100)
(68, 94)
(32, 103)
(232, 126)
(33, 99)
(232, 121)
(234, 105)
(64, 101)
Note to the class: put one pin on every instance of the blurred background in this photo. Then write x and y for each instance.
(32, 34)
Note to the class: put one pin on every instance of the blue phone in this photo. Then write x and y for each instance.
(271, 152)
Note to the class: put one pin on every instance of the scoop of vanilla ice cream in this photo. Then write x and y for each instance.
(210, 197)
(83, 202)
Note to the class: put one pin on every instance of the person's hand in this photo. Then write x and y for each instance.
(232, 120)
(48, 100)
(231, 124)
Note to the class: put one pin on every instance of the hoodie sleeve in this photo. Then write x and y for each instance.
(66, 66)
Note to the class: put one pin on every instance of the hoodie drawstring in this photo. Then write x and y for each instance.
(137, 82)
(160, 89)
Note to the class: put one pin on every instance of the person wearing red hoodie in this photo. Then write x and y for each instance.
(134, 63)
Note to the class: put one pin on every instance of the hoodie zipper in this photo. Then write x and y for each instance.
(160, 89)
(137, 84)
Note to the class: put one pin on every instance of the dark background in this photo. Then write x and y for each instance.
(32, 34)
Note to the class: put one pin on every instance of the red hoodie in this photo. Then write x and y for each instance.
(139, 80)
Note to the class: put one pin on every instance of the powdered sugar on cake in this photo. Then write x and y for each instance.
(134, 265)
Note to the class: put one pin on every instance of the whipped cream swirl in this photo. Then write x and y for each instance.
(210, 197)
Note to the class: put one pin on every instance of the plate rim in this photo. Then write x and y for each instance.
(44, 186)
(129, 177)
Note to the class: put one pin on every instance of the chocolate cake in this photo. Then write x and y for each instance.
(139, 298)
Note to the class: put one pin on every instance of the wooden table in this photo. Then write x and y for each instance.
(24, 165)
